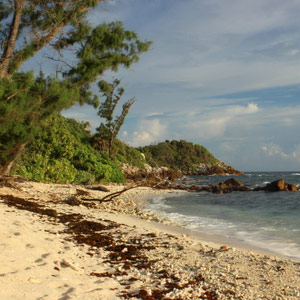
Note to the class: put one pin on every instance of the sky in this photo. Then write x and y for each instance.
(223, 74)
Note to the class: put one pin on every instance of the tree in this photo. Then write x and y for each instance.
(26, 99)
(107, 132)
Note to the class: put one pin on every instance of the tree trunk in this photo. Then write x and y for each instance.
(9, 49)
(15, 152)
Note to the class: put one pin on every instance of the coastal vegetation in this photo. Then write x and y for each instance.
(36, 142)
(178, 155)
(79, 52)
(65, 151)
(107, 132)
(62, 152)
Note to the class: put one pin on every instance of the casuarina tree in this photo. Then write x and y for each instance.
(107, 131)
(28, 99)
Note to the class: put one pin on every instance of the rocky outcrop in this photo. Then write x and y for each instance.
(278, 186)
(216, 169)
(229, 186)
(153, 176)
(233, 185)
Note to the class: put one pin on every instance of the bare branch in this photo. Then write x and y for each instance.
(57, 60)
(111, 196)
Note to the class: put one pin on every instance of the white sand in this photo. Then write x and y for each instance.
(39, 261)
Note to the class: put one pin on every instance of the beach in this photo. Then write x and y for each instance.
(54, 245)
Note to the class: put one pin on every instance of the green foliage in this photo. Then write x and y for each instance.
(62, 153)
(129, 155)
(27, 101)
(178, 155)
(107, 132)
(108, 46)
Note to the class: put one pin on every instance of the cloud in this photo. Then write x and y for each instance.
(273, 150)
(149, 131)
(217, 46)
(216, 122)
(241, 110)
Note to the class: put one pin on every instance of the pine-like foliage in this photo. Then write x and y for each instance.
(107, 132)
(27, 100)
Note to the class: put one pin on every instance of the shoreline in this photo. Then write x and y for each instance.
(215, 239)
(62, 251)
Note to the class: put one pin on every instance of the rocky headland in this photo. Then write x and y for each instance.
(159, 174)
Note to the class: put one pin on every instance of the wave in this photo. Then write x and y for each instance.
(264, 237)
(295, 174)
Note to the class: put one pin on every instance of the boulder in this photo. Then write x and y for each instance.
(279, 186)
(194, 188)
(229, 186)
(292, 188)
(232, 182)
(219, 168)
(276, 186)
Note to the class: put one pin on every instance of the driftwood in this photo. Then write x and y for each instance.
(9, 181)
(111, 196)
(98, 188)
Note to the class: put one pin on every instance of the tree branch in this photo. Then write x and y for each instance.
(111, 196)
(58, 60)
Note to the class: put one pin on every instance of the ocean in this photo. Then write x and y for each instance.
(270, 221)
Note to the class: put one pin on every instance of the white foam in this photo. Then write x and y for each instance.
(283, 241)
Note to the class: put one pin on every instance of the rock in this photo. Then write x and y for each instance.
(150, 175)
(194, 188)
(224, 248)
(217, 169)
(275, 186)
(72, 200)
(292, 188)
(278, 186)
(232, 182)
(229, 186)
(164, 185)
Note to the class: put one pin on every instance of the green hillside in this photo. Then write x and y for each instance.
(63, 152)
(178, 155)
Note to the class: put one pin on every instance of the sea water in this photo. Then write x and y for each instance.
(269, 221)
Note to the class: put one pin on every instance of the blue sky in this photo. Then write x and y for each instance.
(224, 74)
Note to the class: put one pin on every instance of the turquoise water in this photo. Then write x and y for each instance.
(267, 220)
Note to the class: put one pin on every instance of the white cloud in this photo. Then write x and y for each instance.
(149, 131)
(216, 122)
(219, 46)
(274, 150)
(241, 110)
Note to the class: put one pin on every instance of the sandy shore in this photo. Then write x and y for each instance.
(55, 246)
